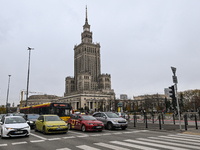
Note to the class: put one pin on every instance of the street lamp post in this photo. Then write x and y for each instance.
(7, 94)
(28, 73)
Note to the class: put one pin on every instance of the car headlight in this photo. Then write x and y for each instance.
(7, 128)
(115, 120)
(49, 126)
(31, 121)
(27, 127)
(90, 123)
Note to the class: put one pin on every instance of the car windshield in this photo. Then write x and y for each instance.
(52, 118)
(13, 120)
(32, 116)
(88, 118)
(112, 115)
(123, 114)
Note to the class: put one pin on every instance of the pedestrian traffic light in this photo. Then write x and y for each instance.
(172, 92)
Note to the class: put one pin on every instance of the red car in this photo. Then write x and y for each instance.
(85, 123)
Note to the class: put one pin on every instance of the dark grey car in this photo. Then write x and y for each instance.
(111, 120)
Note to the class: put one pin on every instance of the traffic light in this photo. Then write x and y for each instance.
(172, 95)
(172, 92)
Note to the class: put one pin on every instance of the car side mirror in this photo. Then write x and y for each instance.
(104, 117)
(41, 120)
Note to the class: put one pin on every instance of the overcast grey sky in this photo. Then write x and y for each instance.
(140, 41)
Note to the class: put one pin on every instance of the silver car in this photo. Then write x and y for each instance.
(111, 120)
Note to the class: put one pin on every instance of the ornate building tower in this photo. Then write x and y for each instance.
(87, 64)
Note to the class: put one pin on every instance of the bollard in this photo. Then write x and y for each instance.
(152, 118)
(134, 120)
(162, 119)
(196, 121)
(159, 122)
(174, 118)
(185, 117)
(146, 122)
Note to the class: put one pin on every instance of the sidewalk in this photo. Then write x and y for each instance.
(166, 127)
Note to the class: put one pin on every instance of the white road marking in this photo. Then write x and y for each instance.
(3, 144)
(183, 136)
(36, 141)
(38, 136)
(69, 137)
(111, 146)
(95, 135)
(156, 145)
(192, 135)
(63, 149)
(82, 136)
(106, 134)
(179, 138)
(179, 141)
(19, 143)
(85, 147)
(54, 139)
(132, 145)
(173, 144)
(76, 133)
(127, 132)
(117, 133)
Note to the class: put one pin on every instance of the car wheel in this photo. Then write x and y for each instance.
(36, 129)
(44, 130)
(110, 126)
(69, 126)
(99, 130)
(2, 134)
(123, 128)
(83, 128)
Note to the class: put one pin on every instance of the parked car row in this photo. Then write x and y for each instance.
(21, 124)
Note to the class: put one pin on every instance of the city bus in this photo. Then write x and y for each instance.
(63, 110)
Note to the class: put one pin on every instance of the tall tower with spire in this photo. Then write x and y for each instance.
(87, 65)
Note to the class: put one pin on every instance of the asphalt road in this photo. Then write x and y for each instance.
(105, 140)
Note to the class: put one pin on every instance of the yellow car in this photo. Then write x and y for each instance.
(50, 124)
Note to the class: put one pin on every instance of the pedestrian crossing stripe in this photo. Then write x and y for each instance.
(155, 145)
(176, 138)
(171, 140)
(86, 147)
(111, 146)
(132, 145)
(173, 144)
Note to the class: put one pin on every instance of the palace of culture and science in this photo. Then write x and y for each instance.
(88, 88)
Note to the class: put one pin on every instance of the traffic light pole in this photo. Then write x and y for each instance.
(179, 116)
(174, 77)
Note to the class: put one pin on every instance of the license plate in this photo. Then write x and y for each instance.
(99, 127)
(18, 132)
(59, 128)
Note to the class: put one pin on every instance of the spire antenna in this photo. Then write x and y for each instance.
(86, 14)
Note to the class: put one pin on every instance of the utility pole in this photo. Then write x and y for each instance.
(7, 94)
(29, 49)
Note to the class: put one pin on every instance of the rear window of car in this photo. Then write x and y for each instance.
(32, 116)
(112, 115)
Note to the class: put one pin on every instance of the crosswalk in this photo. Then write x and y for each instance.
(172, 142)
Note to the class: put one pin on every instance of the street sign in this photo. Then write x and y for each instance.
(174, 79)
(173, 70)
